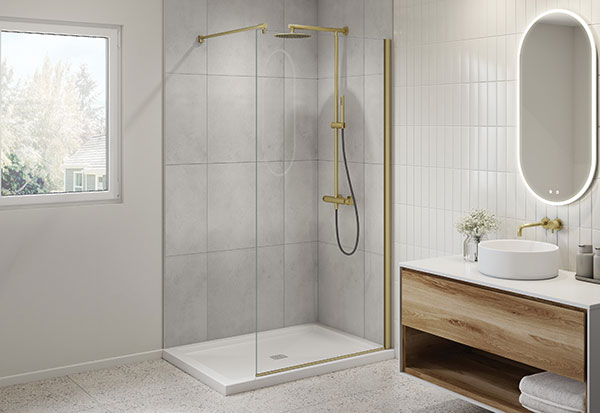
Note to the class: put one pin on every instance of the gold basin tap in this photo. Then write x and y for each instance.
(546, 223)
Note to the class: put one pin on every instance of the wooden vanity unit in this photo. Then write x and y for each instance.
(478, 336)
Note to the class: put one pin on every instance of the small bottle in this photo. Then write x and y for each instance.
(584, 263)
(597, 264)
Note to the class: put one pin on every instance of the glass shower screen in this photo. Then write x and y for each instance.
(313, 303)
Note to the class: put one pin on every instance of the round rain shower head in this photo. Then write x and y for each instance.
(293, 35)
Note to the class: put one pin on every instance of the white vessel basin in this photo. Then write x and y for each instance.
(518, 259)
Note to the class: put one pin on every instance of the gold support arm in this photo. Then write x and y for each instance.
(262, 27)
(294, 27)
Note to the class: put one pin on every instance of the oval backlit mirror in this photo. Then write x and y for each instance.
(557, 107)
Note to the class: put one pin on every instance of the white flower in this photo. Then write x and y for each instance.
(478, 223)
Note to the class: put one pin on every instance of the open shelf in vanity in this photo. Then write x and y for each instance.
(478, 336)
(482, 376)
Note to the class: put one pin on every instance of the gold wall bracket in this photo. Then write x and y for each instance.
(262, 27)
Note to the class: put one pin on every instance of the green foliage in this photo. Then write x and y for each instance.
(20, 179)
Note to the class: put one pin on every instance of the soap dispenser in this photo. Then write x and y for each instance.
(584, 263)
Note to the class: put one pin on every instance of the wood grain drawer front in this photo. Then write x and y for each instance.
(533, 332)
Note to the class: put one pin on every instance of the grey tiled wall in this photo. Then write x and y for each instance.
(211, 174)
(214, 189)
(351, 288)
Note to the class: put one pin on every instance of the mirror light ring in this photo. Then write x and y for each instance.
(594, 120)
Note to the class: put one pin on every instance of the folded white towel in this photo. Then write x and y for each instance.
(555, 390)
(538, 406)
(531, 402)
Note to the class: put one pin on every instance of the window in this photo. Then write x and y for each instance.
(78, 181)
(59, 113)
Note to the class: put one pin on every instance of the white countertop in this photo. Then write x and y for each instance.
(563, 289)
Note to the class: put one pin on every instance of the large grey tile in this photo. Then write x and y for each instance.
(233, 55)
(373, 57)
(374, 297)
(270, 287)
(373, 226)
(240, 54)
(133, 381)
(301, 12)
(346, 214)
(301, 267)
(231, 206)
(185, 209)
(351, 56)
(326, 55)
(339, 13)
(271, 103)
(54, 395)
(271, 54)
(270, 188)
(231, 293)
(374, 119)
(231, 119)
(352, 90)
(301, 201)
(302, 57)
(341, 289)
(184, 21)
(301, 119)
(379, 19)
(185, 297)
(233, 14)
(325, 117)
(185, 119)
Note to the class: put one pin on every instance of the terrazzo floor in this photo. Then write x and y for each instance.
(157, 386)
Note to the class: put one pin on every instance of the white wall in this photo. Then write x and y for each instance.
(455, 123)
(84, 283)
(455, 80)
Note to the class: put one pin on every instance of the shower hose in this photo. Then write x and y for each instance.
(337, 228)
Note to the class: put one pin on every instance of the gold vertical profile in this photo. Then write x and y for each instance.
(387, 189)
(336, 116)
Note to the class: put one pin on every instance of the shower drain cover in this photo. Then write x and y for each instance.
(278, 356)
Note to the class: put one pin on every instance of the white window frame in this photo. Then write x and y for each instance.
(113, 101)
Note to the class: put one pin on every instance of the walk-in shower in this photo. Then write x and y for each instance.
(276, 300)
